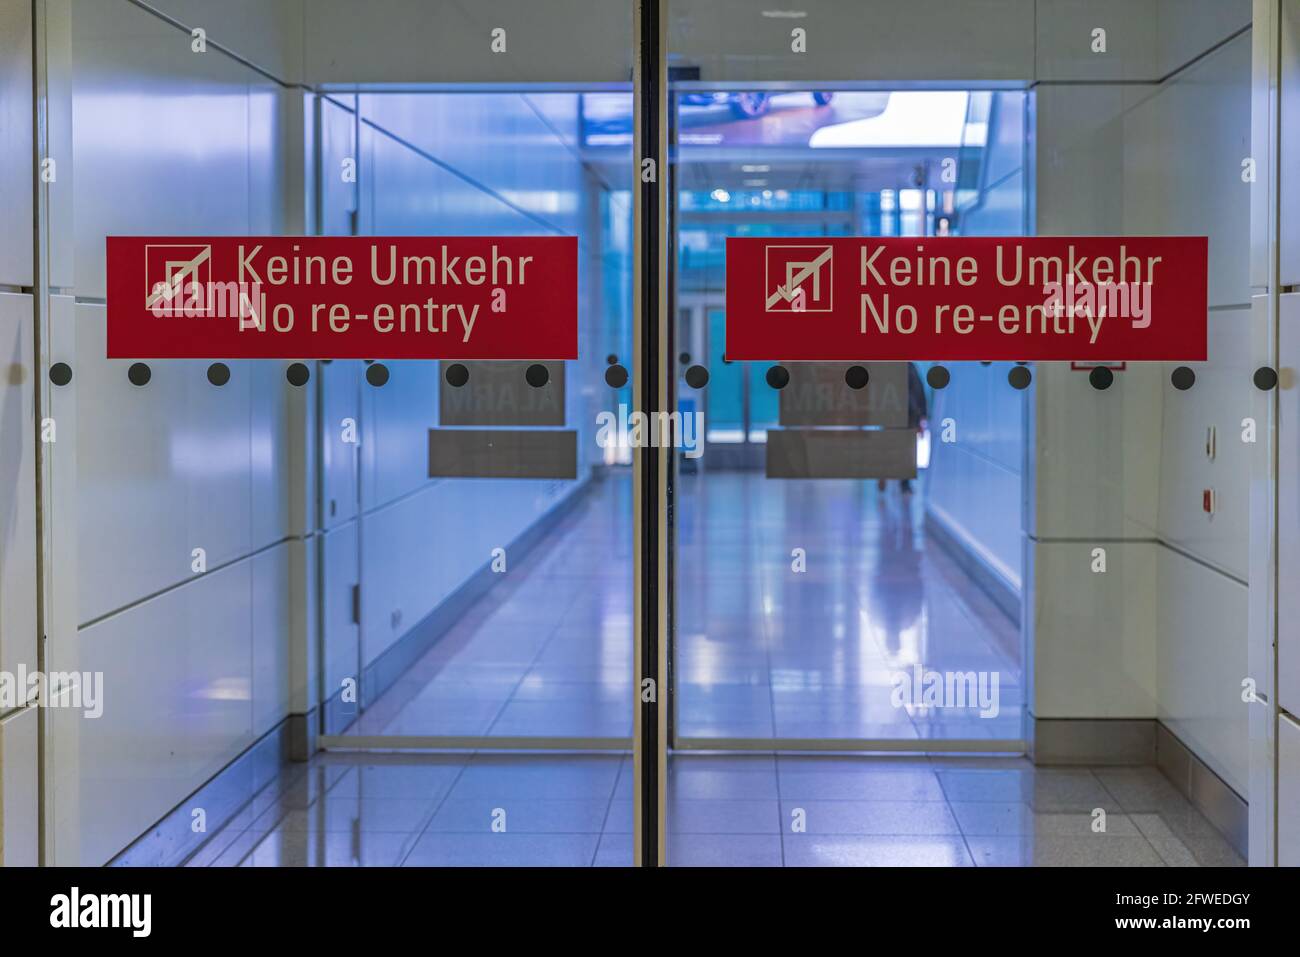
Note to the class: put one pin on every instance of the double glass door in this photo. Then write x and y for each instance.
(1024, 571)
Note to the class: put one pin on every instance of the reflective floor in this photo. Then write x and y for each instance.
(750, 810)
(763, 650)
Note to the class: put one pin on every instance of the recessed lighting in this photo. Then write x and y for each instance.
(755, 168)
(721, 196)
(755, 182)
(786, 14)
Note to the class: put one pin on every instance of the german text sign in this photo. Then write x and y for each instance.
(343, 297)
(930, 298)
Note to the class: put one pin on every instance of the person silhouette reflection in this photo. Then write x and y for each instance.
(917, 410)
(897, 588)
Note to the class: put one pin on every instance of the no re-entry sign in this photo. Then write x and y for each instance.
(321, 297)
(927, 298)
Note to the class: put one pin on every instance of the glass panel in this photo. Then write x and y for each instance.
(1074, 544)
(767, 650)
(523, 627)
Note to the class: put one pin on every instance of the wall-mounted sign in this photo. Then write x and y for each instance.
(343, 297)
(929, 298)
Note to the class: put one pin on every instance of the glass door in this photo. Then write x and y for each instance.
(982, 563)
(490, 526)
(809, 602)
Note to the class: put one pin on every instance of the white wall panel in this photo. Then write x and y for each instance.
(1180, 181)
(1187, 28)
(975, 483)
(1202, 656)
(1288, 792)
(1098, 453)
(267, 33)
(162, 469)
(1288, 94)
(1065, 44)
(177, 704)
(338, 195)
(306, 637)
(281, 480)
(166, 140)
(16, 142)
(134, 79)
(921, 40)
(1220, 400)
(17, 485)
(61, 237)
(397, 417)
(340, 637)
(63, 727)
(340, 385)
(1092, 635)
(1288, 504)
(407, 41)
(1080, 164)
(1130, 462)
(271, 580)
(418, 550)
(19, 802)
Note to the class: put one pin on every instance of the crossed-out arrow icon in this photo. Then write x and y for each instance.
(795, 275)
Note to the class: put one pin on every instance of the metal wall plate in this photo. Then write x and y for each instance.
(833, 453)
(503, 453)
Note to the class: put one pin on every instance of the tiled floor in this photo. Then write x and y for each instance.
(750, 810)
(763, 651)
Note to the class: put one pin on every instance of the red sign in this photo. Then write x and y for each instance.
(1093, 298)
(343, 297)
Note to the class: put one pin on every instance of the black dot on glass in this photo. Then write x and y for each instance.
(139, 374)
(611, 359)
(1183, 378)
(938, 377)
(986, 362)
(778, 377)
(377, 374)
(855, 377)
(368, 361)
(697, 377)
(60, 373)
(1021, 362)
(1019, 377)
(1101, 378)
(1265, 378)
(218, 373)
(616, 377)
(297, 374)
(457, 375)
(537, 375)
(684, 358)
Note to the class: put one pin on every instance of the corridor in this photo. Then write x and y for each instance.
(763, 651)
